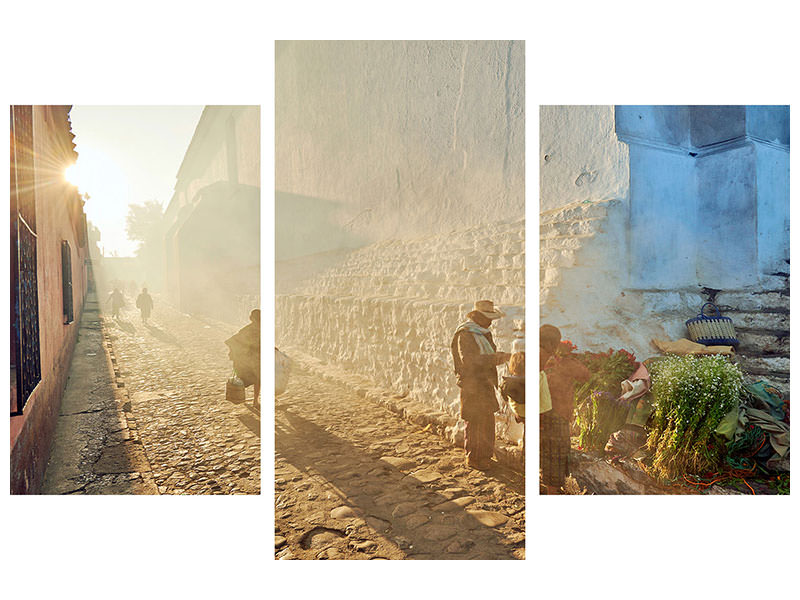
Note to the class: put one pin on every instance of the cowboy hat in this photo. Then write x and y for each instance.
(488, 309)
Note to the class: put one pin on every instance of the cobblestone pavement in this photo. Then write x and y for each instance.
(175, 370)
(355, 481)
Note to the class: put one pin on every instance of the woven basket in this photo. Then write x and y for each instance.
(712, 331)
(234, 390)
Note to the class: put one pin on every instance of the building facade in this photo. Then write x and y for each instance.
(212, 223)
(648, 212)
(49, 251)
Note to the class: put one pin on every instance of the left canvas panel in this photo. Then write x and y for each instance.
(135, 300)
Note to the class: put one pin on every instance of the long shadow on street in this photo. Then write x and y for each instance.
(162, 335)
(410, 516)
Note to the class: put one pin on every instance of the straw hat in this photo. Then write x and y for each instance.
(489, 310)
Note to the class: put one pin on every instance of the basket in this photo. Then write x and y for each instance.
(234, 390)
(712, 331)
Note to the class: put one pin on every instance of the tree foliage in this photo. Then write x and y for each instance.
(144, 222)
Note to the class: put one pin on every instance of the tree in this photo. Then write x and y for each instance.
(144, 223)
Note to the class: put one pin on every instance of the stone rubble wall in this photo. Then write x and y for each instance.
(585, 292)
(389, 311)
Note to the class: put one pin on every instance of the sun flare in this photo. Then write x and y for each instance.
(71, 174)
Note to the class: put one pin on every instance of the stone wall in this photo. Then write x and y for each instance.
(389, 310)
(400, 201)
(394, 140)
(620, 271)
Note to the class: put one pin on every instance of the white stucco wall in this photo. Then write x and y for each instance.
(580, 157)
(389, 310)
(400, 201)
(398, 139)
(662, 225)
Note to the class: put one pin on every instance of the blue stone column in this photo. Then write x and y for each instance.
(709, 194)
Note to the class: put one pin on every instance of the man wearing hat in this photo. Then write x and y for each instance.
(475, 359)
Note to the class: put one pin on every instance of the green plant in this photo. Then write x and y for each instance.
(598, 413)
(691, 396)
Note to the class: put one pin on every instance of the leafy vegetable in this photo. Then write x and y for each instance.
(691, 396)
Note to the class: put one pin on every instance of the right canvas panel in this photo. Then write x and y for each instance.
(664, 299)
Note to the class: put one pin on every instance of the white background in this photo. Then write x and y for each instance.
(223, 53)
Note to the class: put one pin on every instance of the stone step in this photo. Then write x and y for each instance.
(571, 228)
(743, 301)
(760, 342)
(586, 210)
(764, 365)
(759, 320)
(564, 242)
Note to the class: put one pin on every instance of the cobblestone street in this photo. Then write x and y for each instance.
(145, 411)
(355, 481)
(175, 369)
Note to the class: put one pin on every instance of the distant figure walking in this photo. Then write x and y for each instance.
(145, 305)
(117, 302)
(245, 352)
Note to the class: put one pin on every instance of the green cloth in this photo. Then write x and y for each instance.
(769, 396)
(640, 411)
(727, 426)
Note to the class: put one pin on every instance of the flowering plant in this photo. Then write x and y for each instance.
(691, 396)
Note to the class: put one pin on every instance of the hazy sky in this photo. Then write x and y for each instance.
(128, 155)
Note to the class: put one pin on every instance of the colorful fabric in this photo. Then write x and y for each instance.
(479, 440)
(769, 398)
(553, 449)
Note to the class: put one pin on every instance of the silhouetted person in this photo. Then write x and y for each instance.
(117, 302)
(245, 352)
(475, 360)
(563, 373)
(145, 305)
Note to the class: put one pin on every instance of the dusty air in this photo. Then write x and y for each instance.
(136, 363)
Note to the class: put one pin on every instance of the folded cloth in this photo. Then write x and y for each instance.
(778, 431)
(768, 398)
(684, 346)
(637, 385)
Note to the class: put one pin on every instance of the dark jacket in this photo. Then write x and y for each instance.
(477, 376)
(245, 352)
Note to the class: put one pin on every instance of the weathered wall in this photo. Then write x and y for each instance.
(399, 203)
(705, 217)
(226, 146)
(391, 308)
(396, 139)
(211, 255)
(580, 157)
(31, 432)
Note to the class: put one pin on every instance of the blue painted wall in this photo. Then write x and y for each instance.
(709, 194)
